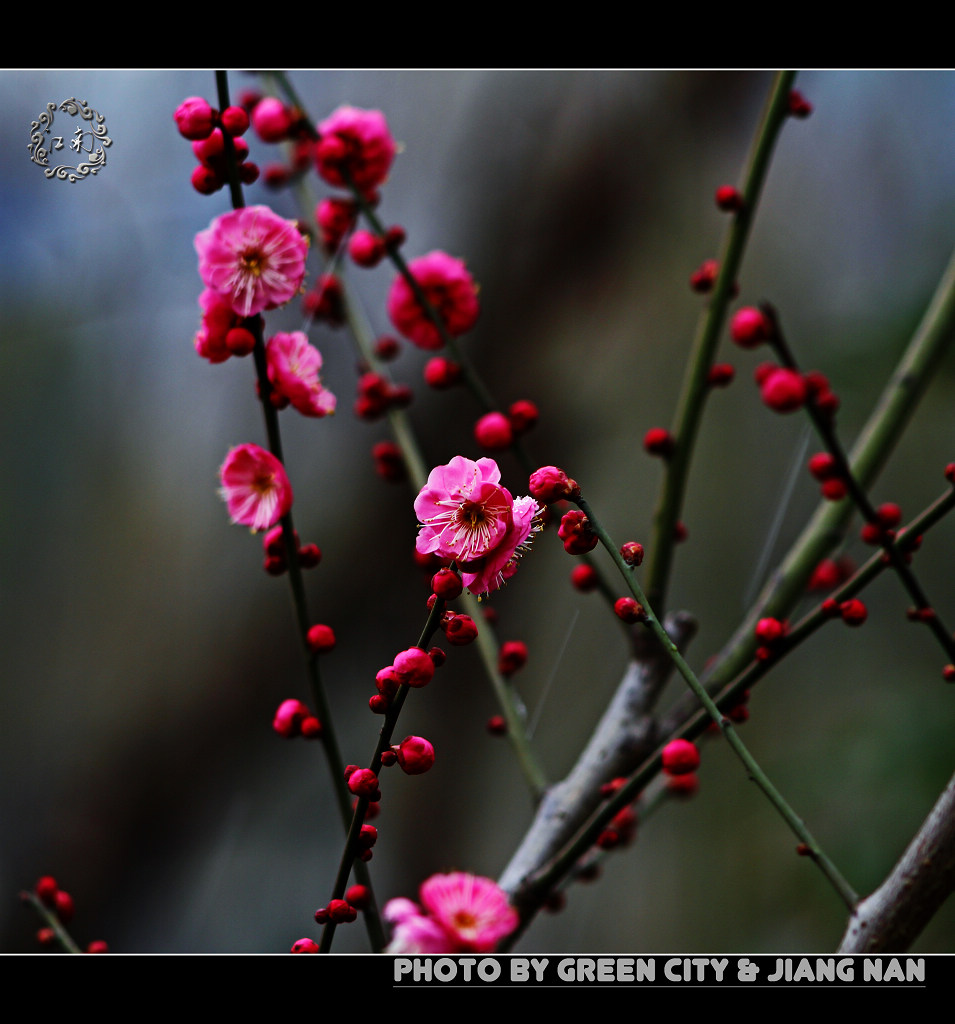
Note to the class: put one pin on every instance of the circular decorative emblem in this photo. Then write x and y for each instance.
(84, 141)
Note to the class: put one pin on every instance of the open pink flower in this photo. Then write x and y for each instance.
(500, 564)
(464, 511)
(450, 290)
(463, 914)
(255, 487)
(253, 258)
(467, 516)
(357, 144)
(293, 366)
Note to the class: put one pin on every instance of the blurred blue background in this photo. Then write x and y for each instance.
(145, 650)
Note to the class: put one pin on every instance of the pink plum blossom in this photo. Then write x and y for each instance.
(355, 144)
(500, 564)
(293, 366)
(450, 290)
(255, 487)
(467, 516)
(462, 914)
(253, 258)
(464, 511)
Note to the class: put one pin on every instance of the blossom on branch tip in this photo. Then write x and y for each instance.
(467, 516)
(449, 289)
(255, 487)
(253, 258)
(354, 144)
(460, 913)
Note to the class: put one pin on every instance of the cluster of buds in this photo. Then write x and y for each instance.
(293, 718)
(770, 634)
(60, 902)
(413, 667)
(575, 532)
(276, 555)
(208, 129)
(337, 911)
(888, 517)
(852, 612)
(377, 394)
(824, 467)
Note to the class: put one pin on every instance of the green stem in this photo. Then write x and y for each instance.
(52, 922)
(825, 428)
(695, 387)
(349, 855)
(488, 646)
(828, 525)
(795, 823)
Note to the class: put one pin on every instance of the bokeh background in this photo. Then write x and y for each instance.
(144, 650)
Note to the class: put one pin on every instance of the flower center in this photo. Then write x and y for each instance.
(464, 921)
(252, 262)
(264, 484)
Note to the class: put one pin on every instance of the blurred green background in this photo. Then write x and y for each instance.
(145, 650)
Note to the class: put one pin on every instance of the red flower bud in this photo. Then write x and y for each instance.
(680, 757)
(415, 755)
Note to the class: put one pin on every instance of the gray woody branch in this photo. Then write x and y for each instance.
(891, 918)
(623, 739)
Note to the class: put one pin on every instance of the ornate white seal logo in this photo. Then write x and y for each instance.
(92, 141)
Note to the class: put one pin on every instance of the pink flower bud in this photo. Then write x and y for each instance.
(658, 441)
(750, 327)
(288, 718)
(305, 946)
(441, 373)
(511, 657)
(271, 120)
(415, 755)
(853, 612)
(341, 912)
(728, 199)
(523, 415)
(363, 782)
(549, 484)
(46, 890)
(632, 553)
(629, 610)
(194, 118)
(680, 757)
(63, 905)
(414, 667)
(460, 630)
(493, 431)
(366, 249)
(359, 896)
(784, 390)
(447, 584)
(321, 639)
(235, 121)
(584, 578)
